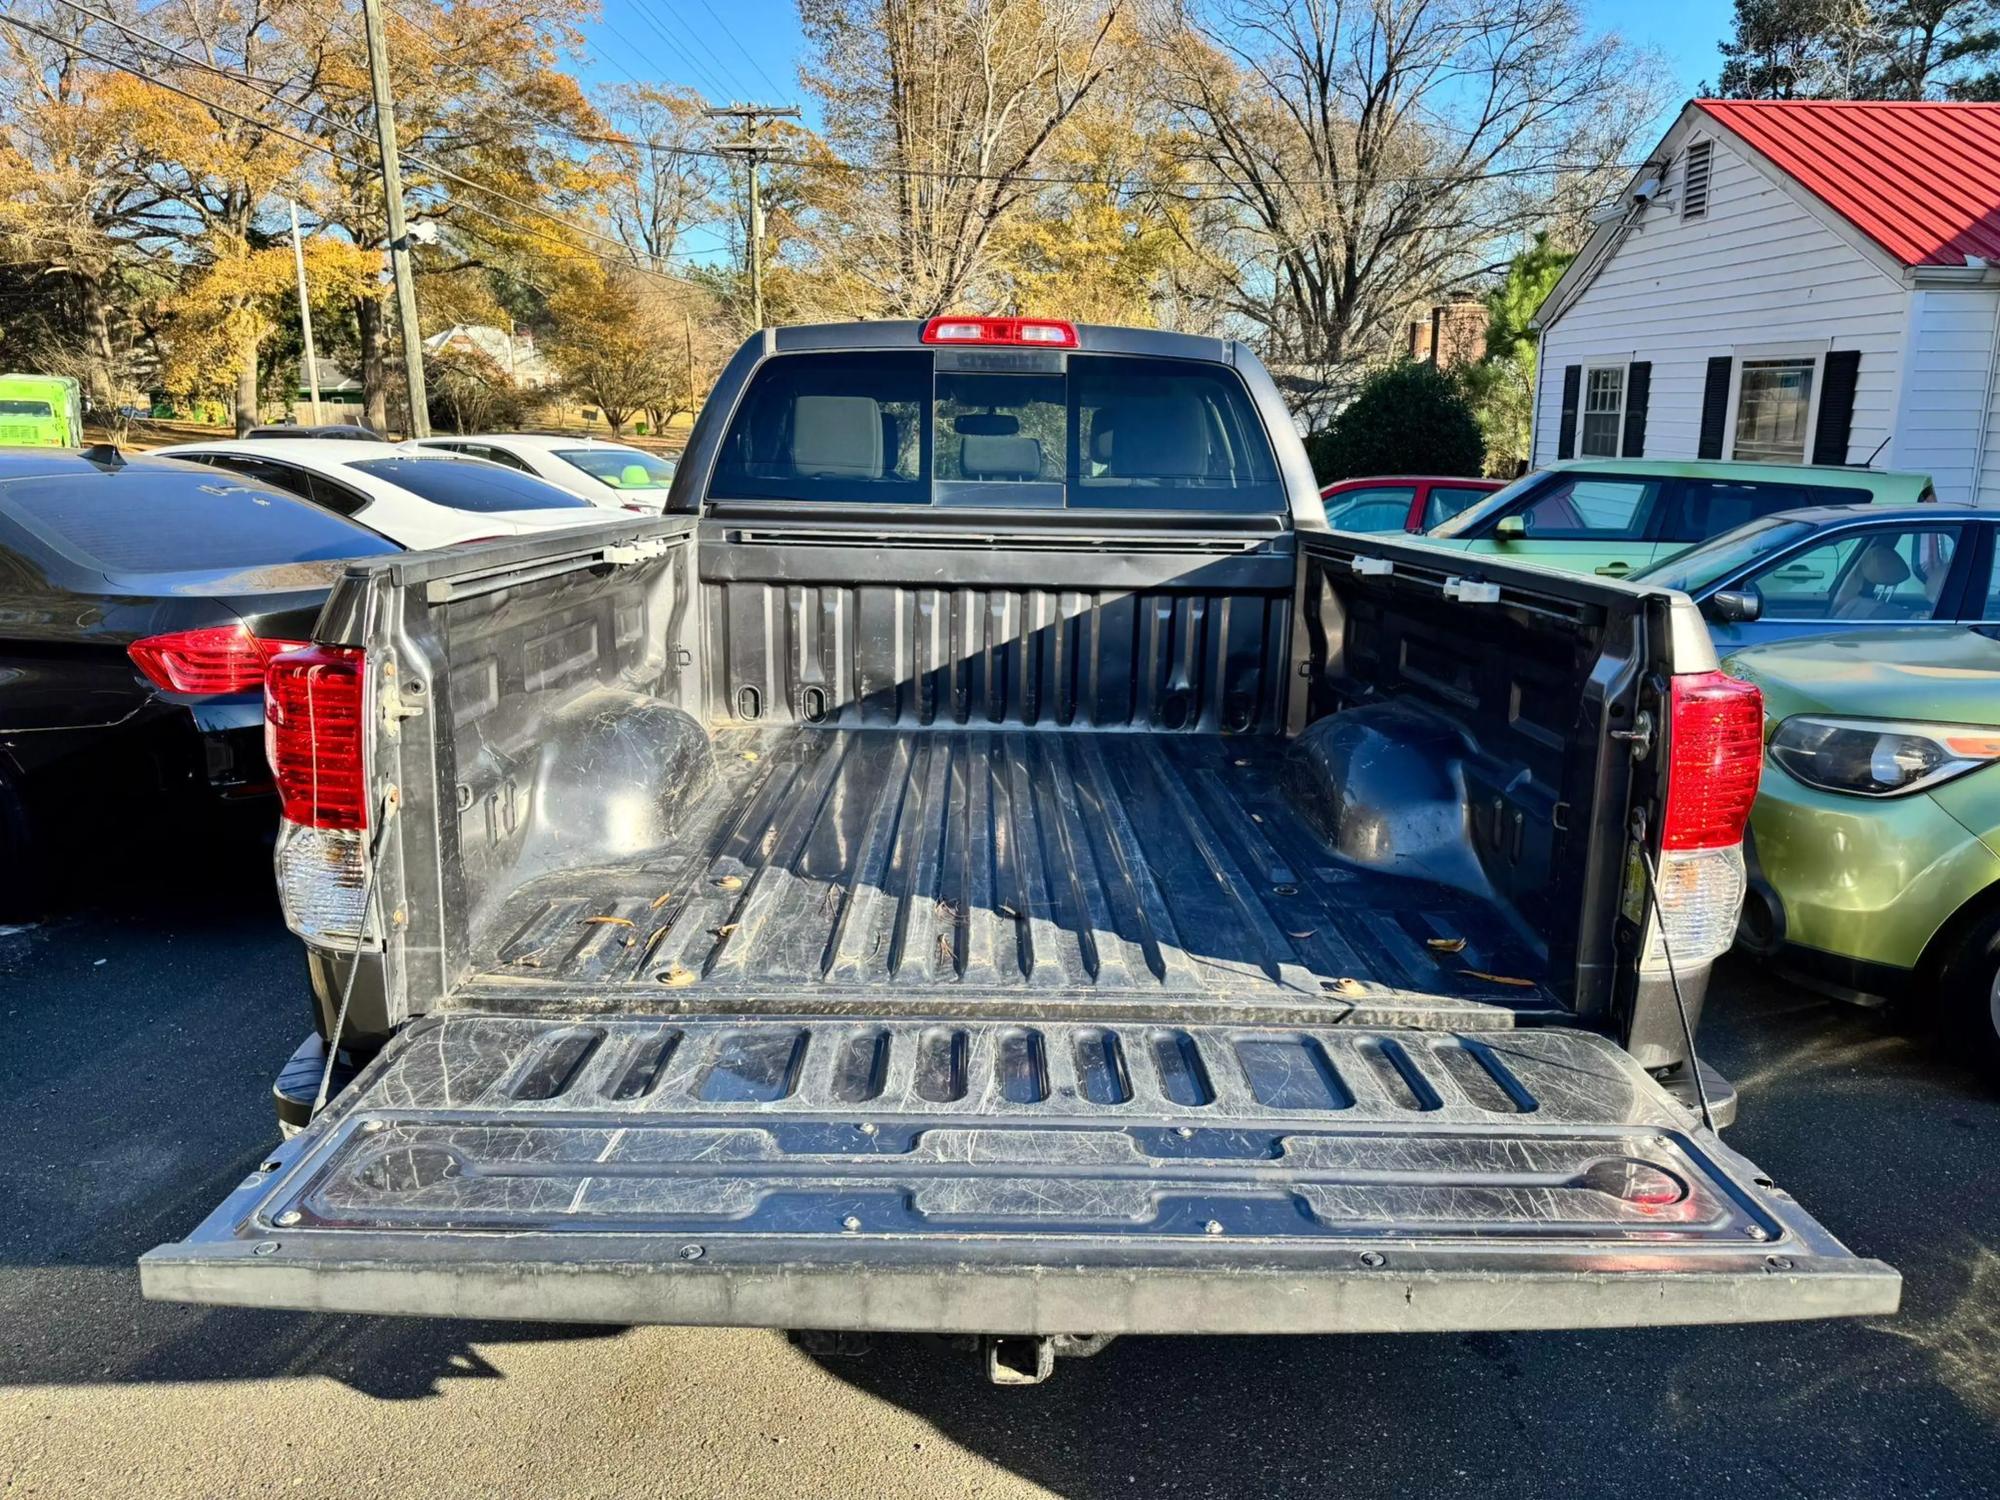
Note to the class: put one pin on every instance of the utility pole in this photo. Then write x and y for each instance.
(399, 242)
(305, 313)
(751, 147)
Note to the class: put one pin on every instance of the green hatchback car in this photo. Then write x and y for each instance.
(1618, 517)
(1874, 846)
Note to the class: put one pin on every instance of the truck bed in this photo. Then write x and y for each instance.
(970, 870)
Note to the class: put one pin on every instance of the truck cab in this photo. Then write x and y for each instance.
(991, 860)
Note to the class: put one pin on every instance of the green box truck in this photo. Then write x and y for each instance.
(40, 411)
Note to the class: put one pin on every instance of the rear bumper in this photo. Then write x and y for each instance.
(982, 1289)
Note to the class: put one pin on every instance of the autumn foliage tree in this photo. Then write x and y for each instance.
(616, 341)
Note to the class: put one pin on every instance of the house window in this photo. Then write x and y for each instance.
(1694, 179)
(1603, 411)
(1774, 410)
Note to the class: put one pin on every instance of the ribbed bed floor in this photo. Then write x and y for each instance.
(893, 870)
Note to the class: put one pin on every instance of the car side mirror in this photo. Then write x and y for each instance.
(1733, 606)
(1511, 529)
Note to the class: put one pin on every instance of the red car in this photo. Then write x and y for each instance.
(1400, 502)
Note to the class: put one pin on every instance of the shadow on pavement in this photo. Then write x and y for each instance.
(140, 1029)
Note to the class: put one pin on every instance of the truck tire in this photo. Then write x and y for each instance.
(1971, 992)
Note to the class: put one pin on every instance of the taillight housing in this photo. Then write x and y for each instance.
(211, 661)
(1715, 746)
(1035, 333)
(1715, 754)
(313, 736)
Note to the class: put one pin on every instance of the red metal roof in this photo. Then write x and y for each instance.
(1921, 180)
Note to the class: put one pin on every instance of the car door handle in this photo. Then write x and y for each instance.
(1615, 569)
(1797, 570)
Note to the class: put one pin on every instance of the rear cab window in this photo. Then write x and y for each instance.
(477, 487)
(999, 429)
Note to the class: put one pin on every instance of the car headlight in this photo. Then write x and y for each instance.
(1879, 757)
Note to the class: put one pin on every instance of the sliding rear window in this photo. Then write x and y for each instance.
(999, 431)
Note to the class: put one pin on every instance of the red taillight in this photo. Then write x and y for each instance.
(1717, 747)
(212, 660)
(312, 734)
(1043, 333)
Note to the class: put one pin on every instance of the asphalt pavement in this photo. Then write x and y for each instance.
(138, 1037)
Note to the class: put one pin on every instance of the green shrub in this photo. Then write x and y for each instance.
(1407, 419)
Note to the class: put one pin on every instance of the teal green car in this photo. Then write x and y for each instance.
(1874, 846)
(1620, 516)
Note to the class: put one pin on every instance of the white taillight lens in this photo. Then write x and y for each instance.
(321, 883)
(1700, 895)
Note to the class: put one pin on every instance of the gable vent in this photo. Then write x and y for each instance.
(1694, 179)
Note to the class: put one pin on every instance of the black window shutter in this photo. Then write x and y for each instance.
(1715, 406)
(1572, 396)
(1638, 386)
(1836, 406)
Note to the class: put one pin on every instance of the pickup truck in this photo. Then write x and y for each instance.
(989, 860)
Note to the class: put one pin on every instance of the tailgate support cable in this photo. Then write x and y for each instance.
(1673, 978)
(386, 810)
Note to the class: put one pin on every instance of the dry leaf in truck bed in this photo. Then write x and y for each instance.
(609, 922)
(1445, 945)
(1525, 984)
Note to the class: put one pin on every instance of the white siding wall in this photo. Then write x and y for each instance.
(1989, 465)
(1948, 400)
(1759, 270)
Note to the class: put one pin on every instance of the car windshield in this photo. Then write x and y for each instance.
(465, 485)
(1472, 515)
(16, 408)
(620, 468)
(1698, 567)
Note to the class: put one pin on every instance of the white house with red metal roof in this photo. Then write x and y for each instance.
(1791, 282)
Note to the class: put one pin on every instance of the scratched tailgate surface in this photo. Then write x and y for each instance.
(1008, 1177)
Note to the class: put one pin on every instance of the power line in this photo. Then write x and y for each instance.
(722, 71)
(728, 31)
(622, 262)
(708, 80)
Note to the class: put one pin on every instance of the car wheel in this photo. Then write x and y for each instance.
(1972, 991)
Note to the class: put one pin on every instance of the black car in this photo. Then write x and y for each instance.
(139, 603)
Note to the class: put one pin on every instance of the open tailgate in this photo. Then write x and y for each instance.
(1014, 1178)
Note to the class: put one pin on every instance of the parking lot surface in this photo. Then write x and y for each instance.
(138, 1036)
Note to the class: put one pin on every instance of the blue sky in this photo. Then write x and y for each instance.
(739, 48)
